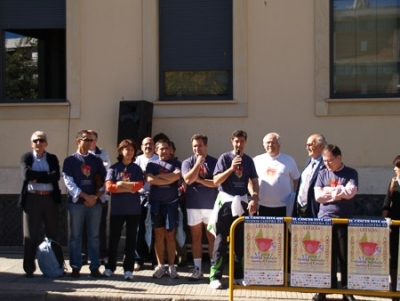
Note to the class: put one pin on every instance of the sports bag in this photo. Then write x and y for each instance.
(50, 258)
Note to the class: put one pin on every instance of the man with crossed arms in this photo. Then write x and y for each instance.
(201, 193)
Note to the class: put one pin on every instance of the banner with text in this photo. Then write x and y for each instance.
(311, 252)
(368, 254)
(264, 250)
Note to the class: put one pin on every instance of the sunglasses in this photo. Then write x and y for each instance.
(86, 139)
(41, 140)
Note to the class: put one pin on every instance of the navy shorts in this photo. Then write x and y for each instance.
(167, 216)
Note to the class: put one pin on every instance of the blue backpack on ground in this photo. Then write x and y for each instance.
(50, 258)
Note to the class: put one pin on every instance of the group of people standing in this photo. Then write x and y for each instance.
(217, 191)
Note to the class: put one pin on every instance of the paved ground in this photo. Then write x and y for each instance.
(14, 286)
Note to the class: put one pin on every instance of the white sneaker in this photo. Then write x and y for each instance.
(196, 274)
(216, 284)
(240, 282)
(137, 267)
(172, 272)
(159, 271)
(107, 272)
(128, 275)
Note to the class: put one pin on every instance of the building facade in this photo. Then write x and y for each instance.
(280, 72)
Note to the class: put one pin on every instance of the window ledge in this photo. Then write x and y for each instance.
(208, 108)
(371, 100)
(194, 102)
(44, 110)
(358, 107)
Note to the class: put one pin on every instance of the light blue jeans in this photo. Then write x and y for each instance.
(78, 213)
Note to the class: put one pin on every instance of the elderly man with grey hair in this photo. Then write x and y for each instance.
(40, 197)
(278, 177)
(305, 204)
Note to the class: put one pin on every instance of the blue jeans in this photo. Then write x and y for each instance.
(78, 213)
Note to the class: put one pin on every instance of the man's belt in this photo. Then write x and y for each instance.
(41, 192)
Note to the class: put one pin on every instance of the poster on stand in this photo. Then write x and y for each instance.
(311, 252)
(368, 254)
(263, 250)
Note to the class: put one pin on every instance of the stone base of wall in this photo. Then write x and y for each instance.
(11, 235)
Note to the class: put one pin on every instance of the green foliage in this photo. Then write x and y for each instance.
(21, 71)
(196, 83)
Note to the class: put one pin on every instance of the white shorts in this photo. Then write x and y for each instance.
(197, 216)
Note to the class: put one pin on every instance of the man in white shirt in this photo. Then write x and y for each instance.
(142, 249)
(278, 178)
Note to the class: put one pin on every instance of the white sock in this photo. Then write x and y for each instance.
(197, 262)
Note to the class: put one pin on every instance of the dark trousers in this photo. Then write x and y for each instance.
(39, 210)
(339, 252)
(142, 252)
(102, 233)
(223, 226)
(272, 211)
(116, 225)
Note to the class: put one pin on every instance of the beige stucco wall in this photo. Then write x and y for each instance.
(112, 55)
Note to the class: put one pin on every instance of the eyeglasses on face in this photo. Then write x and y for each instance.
(41, 140)
(329, 160)
(86, 139)
(310, 144)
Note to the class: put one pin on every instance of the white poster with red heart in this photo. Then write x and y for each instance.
(311, 246)
(264, 250)
(368, 254)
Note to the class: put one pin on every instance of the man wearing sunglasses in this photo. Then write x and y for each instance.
(84, 174)
(104, 156)
(39, 197)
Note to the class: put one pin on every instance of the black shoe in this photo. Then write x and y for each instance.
(29, 275)
(182, 263)
(348, 298)
(319, 297)
(76, 273)
(96, 273)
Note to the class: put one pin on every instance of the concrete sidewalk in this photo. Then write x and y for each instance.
(15, 286)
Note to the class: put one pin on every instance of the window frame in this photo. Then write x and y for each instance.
(324, 105)
(235, 107)
(194, 67)
(33, 16)
(332, 67)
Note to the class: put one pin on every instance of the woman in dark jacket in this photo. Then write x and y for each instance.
(391, 209)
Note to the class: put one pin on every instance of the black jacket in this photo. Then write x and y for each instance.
(40, 176)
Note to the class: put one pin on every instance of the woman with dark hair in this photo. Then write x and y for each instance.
(124, 180)
(391, 208)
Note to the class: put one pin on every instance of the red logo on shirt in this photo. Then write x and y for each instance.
(163, 170)
(239, 171)
(202, 172)
(333, 183)
(86, 170)
(125, 176)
